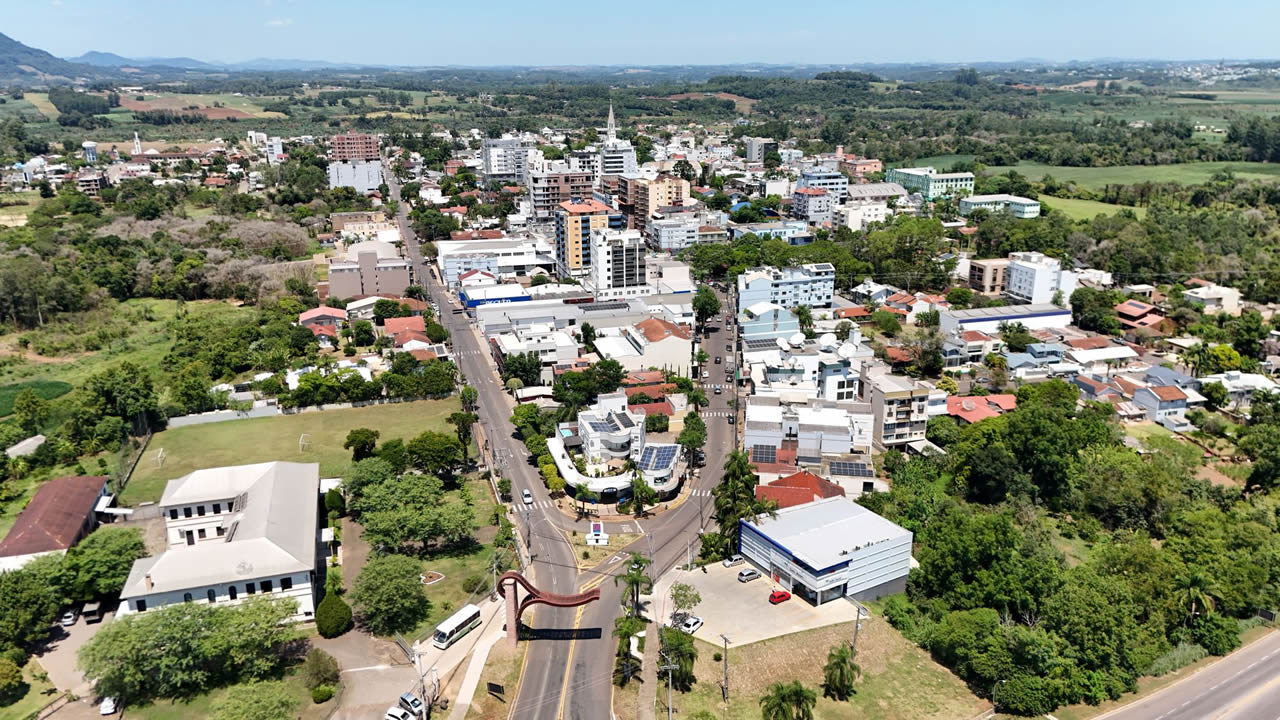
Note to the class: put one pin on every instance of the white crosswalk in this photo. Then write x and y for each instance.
(716, 413)
(537, 505)
(699, 492)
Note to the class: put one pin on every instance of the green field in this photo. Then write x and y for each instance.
(40, 101)
(240, 442)
(201, 706)
(38, 694)
(1086, 209)
(47, 389)
(18, 206)
(1187, 173)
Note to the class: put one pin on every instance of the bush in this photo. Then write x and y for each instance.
(334, 502)
(473, 584)
(1217, 633)
(333, 616)
(321, 694)
(717, 657)
(255, 701)
(1179, 657)
(319, 670)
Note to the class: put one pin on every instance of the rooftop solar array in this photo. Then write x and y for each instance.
(605, 307)
(760, 343)
(657, 457)
(846, 468)
(599, 426)
(764, 454)
(623, 420)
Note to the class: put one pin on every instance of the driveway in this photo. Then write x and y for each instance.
(374, 673)
(742, 610)
(58, 658)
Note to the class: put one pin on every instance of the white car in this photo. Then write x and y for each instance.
(691, 624)
(733, 560)
(397, 713)
(527, 496)
(107, 706)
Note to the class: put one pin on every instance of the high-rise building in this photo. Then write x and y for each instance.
(547, 190)
(617, 157)
(758, 147)
(506, 159)
(836, 184)
(574, 223)
(1032, 277)
(618, 264)
(351, 147)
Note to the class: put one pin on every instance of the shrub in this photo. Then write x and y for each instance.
(321, 694)
(717, 657)
(333, 616)
(1179, 657)
(319, 669)
(1217, 633)
(255, 701)
(473, 584)
(334, 502)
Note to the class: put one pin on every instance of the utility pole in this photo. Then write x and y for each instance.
(724, 689)
(856, 627)
(669, 666)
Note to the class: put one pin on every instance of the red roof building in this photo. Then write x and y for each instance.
(62, 512)
(395, 326)
(477, 235)
(323, 315)
(798, 489)
(978, 408)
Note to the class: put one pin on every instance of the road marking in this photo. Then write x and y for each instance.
(568, 664)
(368, 668)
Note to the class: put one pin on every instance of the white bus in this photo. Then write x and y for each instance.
(458, 624)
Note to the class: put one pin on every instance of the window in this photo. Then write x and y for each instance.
(217, 508)
(249, 588)
(231, 592)
(200, 510)
(221, 531)
(213, 596)
(186, 597)
(265, 586)
(142, 605)
(201, 533)
(173, 513)
(186, 512)
(286, 583)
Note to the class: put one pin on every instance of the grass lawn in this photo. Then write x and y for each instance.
(24, 204)
(47, 389)
(502, 667)
(1087, 209)
(1145, 430)
(1096, 178)
(900, 681)
(589, 556)
(201, 706)
(39, 693)
(239, 442)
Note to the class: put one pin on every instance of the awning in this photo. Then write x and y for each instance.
(104, 502)
(924, 447)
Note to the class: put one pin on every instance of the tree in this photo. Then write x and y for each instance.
(527, 367)
(948, 384)
(735, 496)
(679, 650)
(685, 170)
(362, 442)
(389, 595)
(362, 333)
(514, 384)
(319, 668)
(28, 605)
(470, 398)
(656, 423)
(684, 598)
(843, 328)
(435, 453)
(1215, 394)
(98, 565)
(462, 422)
(334, 502)
(333, 616)
(636, 581)
(643, 496)
(11, 681)
(840, 672)
(31, 411)
(805, 317)
(694, 434)
(588, 334)
(385, 308)
(1196, 590)
(788, 701)
(886, 322)
(701, 357)
(436, 332)
(705, 304)
(271, 700)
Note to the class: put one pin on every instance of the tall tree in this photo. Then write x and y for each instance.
(705, 304)
(462, 423)
(362, 442)
(788, 701)
(636, 581)
(840, 673)
(389, 595)
(643, 496)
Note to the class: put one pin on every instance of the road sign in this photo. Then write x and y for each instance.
(496, 689)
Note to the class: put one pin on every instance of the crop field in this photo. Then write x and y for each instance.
(40, 101)
(231, 105)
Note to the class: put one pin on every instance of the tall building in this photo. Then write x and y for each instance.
(811, 204)
(617, 264)
(547, 190)
(371, 267)
(900, 406)
(929, 182)
(1032, 277)
(351, 146)
(574, 222)
(813, 285)
(275, 150)
(650, 195)
(835, 183)
(617, 157)
(506, 159)
(758, 147)
(988, 276)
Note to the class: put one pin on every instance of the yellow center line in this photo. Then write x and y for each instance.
(568, 663)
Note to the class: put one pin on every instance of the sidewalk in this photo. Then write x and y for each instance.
(649, 674)
(472, 678)
(445, 662)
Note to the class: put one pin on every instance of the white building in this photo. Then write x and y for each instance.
(1215, 298)
(829, 548)
(988, 319)
(234, 533)
(670, 277)
(553, 347)
(811, 204)
(506, 258)
(609, 430)
(835, 183)
(617, 157)
(794, 369)
(1241, 385)
(901, 407)
(364, 175)
(650, 343)
(813, 285)
(814, 430)
(758, 147)
(617, 265)
(1032, 277)
(929, 182)
(506, 159)
(858, 214)
(1019, 207)
(275, 151)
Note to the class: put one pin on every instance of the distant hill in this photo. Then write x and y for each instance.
(21, 64)
(98, 58)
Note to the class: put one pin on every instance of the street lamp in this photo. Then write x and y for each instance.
(994, 706)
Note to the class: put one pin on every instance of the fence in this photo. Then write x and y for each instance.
(123, 474)
(51, 707)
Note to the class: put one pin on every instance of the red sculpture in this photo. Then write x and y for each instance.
(516, 608)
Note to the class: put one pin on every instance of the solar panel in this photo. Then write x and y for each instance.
(846, 468)
(657, 457)
(624, 420)
(600, 426)
(764, 453)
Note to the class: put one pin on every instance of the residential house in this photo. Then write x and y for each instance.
(1164, 404)
(1215, 299)
(58, 516)
(1143, 320)
(1241, 386)
(968, 410)
(814, 430)
(653, 342)
(322, 316)
(797, 489)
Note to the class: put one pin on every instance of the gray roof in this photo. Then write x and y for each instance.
(1000, 311)
(871, 190)
(821, 533)
(271, 531)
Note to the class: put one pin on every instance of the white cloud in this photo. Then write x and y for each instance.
(281, 22)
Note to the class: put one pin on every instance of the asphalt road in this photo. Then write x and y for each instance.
(1243, 686)
(569, 668)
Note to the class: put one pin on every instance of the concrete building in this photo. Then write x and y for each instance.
(827, 549)
(876, 192)
(929, 182)
(609, 430)
(652, 195)
(1241, 386)
(575, 222)
(670, 277)
(1163, 404)
(59, 515)
(617, 157)
(90, 182)
(987, 277)
(371, 267)
(362, 175)
(234, 533)
(506, 159)
(812, 285)
(505, 258)
(1034, 278)
(650, 343)
(549, 189)
(617, 265)
(352, 147)
(858, 214)
(988, 319)
(795, 232)
(758, 147)
(794, 369)
(275, 150)
(859, 167)
(812, 430)
(767, 321)
(553, 347)
(812, 205)
(1215, 298)
(1019, 207)
(900, 406)
(835, 183)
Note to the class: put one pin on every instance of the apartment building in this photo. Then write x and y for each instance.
(899, 404)
(758, 147)
(574, 223)
(987, 277)
(814, 430)
(858, 214)
(929, 182)
(1035, 278)
(832, 181)
(548, 189)
(361, 175)
(352, 147)
(812, 285)
(506, 159)
(812, 205)
(371, 267)
(617, 265)
(1019, 207)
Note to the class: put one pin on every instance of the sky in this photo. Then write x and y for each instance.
(657, 32)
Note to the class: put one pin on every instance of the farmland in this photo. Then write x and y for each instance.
(1098, 177)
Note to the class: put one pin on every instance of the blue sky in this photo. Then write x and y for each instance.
(497, 32)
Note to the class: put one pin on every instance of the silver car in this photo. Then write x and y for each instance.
(733, 560)
(746, 576)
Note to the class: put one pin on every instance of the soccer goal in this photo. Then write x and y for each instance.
(304, 442)
(160, 456)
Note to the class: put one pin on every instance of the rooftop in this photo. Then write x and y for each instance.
(822, 533)
(53, 518)
(1002, 311)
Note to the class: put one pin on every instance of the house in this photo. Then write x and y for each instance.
(1143, 320)
(326, 335)
(968, 410)
(969, 347)
(1241, 385)
(1094, 388)
(651, 343)
(813, 430)
(1095, 357)
(322, 316)
(476, 278)
(797, 489)
(869, 291)
(828, 549)
(233, 533)
(395, 326)
(59, 515)
(1164, 404)
(1215, 298)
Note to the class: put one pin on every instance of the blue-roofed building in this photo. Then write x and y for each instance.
(738, 206)
(1160, 375)
(1047, 352)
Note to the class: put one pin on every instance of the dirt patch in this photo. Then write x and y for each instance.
(740, 103)
(181, 105)
(1215, 476)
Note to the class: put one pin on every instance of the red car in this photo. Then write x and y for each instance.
(779, 596)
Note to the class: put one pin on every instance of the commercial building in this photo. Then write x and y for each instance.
(758, 147)
(929, 182)
(352, 147)
(812, 430)
(876, 192)
(1019, 207)
(835, 183)
(505, 258)
(795, 369)
(988, 319)
(553, 347)
(987, 277)
(575, 222)
(827, 549)
(812, 205)
(650, 343)
(371, 267)
(812, 285)
(617, 265)
(609, 430)
(1032, 277)
(549, 189)
(58, 516)
(474, 297)
(234, 533)
(362, 175)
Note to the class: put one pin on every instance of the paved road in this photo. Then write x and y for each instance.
(1243, 686)
(568, 672)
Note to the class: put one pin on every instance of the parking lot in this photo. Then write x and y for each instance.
(742, 610)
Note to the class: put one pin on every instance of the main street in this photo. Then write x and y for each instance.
(569, 666)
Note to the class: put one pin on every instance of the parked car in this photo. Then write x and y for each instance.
(733, 419)
(108, 706)
(397, 713)
(92, 612)
(691, 624)
(706, 374)
(69, 617)
(733, 560)
(746, 576)
(717, 359)
(527, 496)
(410, 702)
(779, 596)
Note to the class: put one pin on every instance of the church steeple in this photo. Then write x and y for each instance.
(612, 132)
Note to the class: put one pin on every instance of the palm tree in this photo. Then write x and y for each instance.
(636, 580)
(1197, 358)
(1197, 590)
(805, 317)
(791, 701)
(840, 673)
(735, 496)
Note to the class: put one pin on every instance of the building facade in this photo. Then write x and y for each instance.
(1032, 277)
(929, 182)
(812, 285)
(987, 277)
(812, 205)
(547, 190)
(575, 222)
(362, 175)
(618, 264)
(835, 183)
(1019, 207)
(369, 268)
(353, 147)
